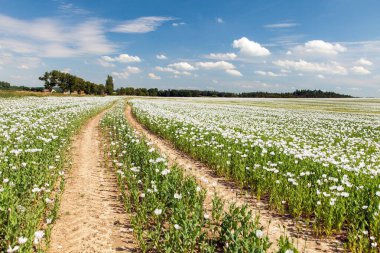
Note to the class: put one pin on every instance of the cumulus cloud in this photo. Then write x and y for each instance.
(142, 24)
(221, 56)
(154, 76)
(233, 72)
(229, 68)
(250, 48)
(167, 69)
(363, 61)
(215, 65)
(48, 37)
(304, 66)
(360, 70)
(122, 58)
(161, 57)
(126, 73)
(173, 71)
(320, 47)
(184, 66)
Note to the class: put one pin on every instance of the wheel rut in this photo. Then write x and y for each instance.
(91, 216)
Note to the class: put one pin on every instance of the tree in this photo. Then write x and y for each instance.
(109, 85)
(4, 85)
(46, 79)
(69, 82)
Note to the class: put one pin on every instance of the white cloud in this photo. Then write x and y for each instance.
(48, 37)
(178, 24)
(250, 48)
(267, 73)
(360, 70)
(215, 65)
(154, 76)
(233, 72)
(281, 25)
(142, 24)
(168, 70)
(126, 73)
(221, 56)
(133, 70)
(363, 61)
(161, 57)
(320, 47)
(219, 20)
(122, 58)
(304, 66)
(184, 66)
(222, 65)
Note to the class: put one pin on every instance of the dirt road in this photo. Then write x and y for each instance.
(91, 218)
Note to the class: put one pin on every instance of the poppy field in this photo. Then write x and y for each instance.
(34, 138)
(319, 164)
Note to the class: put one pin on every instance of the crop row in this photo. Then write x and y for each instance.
(34, 137)
(167, 208)
(321, 167)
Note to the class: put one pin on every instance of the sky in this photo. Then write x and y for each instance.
(236, 45)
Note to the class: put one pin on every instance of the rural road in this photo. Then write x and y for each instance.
(91, 217)
(273, 223)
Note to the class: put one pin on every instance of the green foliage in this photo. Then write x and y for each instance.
(35, 134)
(335, 200)
(4, 85)
(167, 207)
(285, 245)
(70, 83)
(109, 85)
(206, 93)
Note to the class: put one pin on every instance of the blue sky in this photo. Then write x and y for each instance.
(234, 45)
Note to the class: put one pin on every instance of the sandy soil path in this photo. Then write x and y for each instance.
(273, 223)
(91, 218)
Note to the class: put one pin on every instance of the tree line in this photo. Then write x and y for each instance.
(70, 83)
(67, 82)
(7, 86)
(206, 93)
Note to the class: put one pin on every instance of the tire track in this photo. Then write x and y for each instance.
(91, 216)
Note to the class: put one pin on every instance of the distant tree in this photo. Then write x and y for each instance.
(46, 79)
(109, 85)
(4, 85)
(68, 82)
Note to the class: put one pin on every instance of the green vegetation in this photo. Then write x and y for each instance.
(319, 167)
(199, 93)
(70, 83)
(34, 136)
(168, 213)
(109, 85)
